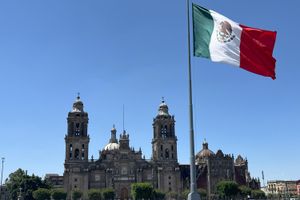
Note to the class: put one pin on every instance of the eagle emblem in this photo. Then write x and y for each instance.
(224, 32)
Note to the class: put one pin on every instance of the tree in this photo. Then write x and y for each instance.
(258, 194)
(76, 194)
(41, 194)
(185, 193)
(20, 180)
(244, 191)
(202, 192)
(94, 194)
(227, 189)
(141, 191)
(171, 195)
(158, 195)
(58, 194)
(108, 194)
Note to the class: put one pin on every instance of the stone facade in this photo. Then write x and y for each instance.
(298, 187)
(4, 195)
(282, 188)
(119, 165)
(55, 180)
(215, 167)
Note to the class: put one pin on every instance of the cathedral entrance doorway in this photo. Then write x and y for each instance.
(124, 194)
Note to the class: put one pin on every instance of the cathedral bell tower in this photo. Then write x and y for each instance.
(76, 175)
(164, 151)
(77, 139)
(164, 142)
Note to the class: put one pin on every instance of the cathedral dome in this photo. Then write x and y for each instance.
(77, 105)
(113, 142)
(111, 146)
(205, 152)
(163, 109)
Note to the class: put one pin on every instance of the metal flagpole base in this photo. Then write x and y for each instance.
(194, 196)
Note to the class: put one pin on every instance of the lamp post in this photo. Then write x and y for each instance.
(2, 165)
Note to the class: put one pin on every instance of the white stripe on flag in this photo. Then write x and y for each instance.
(227, 51)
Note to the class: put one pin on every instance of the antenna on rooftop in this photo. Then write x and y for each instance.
(123, 118)
(263, 177)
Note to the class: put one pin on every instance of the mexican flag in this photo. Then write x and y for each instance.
(222, 40)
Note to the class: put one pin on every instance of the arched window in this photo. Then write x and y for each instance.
(71, 150)
(77, 129)
(163, 131)
(166, 130)
(76, 154)
(82, 152)
(167, 153)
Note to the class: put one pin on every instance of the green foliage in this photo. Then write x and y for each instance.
(28, 184)
(76, 194)
(227, 189)
(244, 191)
(58, 194)
(185, 193)
(273, 196)
(41, 194)
(158, 195)
(258, 194)
(108, 194)
(94, 194)
(171, 195)
(141, 191)
(202, 192)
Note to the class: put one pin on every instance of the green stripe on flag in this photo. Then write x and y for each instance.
(203, 26)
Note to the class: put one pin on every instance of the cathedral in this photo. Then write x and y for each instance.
(119, 165)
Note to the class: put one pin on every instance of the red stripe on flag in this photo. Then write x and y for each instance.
(256, 49)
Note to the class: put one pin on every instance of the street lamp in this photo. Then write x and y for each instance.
(2, 159)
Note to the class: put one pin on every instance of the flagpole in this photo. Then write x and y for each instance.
(193, 195)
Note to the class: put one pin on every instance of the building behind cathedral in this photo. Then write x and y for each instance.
(119, 165)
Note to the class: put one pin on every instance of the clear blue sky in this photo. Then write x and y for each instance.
(133, 53)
